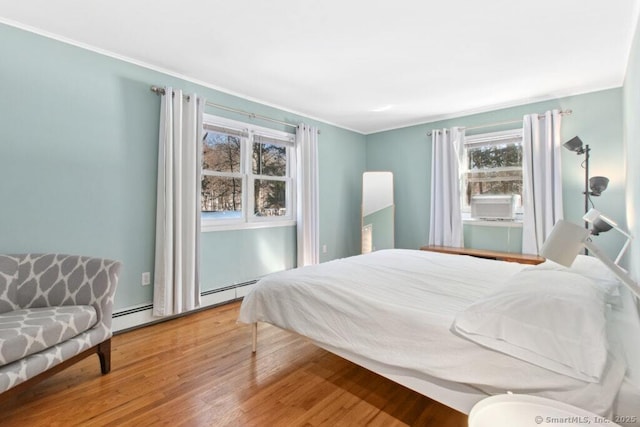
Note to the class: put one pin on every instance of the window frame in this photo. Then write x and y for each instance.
(248, 219)
(487, 139)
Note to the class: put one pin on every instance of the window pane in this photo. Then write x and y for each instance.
(269, 159)
(495, 156)
(270, 197)
(221, 197)
(221, 152)
(493, 182)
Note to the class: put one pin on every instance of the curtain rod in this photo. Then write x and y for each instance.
(160, 91)
(510, 122)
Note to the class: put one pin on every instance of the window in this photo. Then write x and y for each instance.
(492, 166)
(270, 176)
(247, 175)
(222, 178)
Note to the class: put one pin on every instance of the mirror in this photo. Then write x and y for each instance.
(377, 211)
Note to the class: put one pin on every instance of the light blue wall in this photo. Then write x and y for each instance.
(78, 154)
(342, 163)
(596, 118)
(232, 257)
(405, 152)
(632, 147)
(506, 239)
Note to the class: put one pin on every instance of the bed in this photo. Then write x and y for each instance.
(425, 319)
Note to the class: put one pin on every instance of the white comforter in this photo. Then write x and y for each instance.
(396, 307)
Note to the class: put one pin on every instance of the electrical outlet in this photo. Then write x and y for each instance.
(324, 249)
(146, 278)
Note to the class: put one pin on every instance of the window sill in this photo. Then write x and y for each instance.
(208, 226)
(515, 223)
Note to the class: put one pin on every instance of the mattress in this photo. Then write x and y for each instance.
(395, 308)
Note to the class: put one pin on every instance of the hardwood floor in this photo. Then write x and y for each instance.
(198, 370)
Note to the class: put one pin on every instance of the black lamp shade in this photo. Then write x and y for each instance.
(600, 226)
(598, 184)
(574, 144)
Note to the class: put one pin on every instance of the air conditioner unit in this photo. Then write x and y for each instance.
(494, 206)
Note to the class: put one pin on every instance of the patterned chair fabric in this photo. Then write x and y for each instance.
(8, 283)
(31, 284)
(28, 331)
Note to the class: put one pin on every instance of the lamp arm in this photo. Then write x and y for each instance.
(627, 235)
(617, 270)
(623, 250)
(621, 231)
(613, 224)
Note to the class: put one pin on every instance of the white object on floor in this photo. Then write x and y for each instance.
(523, 410)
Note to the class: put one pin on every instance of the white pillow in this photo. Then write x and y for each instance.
(587, 266)
(552, 319)
(592, 268)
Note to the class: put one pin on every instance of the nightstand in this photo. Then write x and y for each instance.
(483, 253)
(521, 410)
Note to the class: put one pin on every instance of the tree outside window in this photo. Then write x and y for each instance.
(493, 166)
(221, 193)
(269, 160)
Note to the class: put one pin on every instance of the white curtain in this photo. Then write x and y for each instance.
(446, 217)
(542, 178)
(176, 278)
(307, 214)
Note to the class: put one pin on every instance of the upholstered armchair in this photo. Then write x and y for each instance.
(54, 311)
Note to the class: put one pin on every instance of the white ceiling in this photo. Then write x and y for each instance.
(366, 65)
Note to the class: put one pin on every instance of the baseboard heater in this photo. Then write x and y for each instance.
(135, 317)
(132, 310)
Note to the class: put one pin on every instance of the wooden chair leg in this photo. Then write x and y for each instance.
(104, 353)
(103, 350)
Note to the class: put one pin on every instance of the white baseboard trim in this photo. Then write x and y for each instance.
(142, 314)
